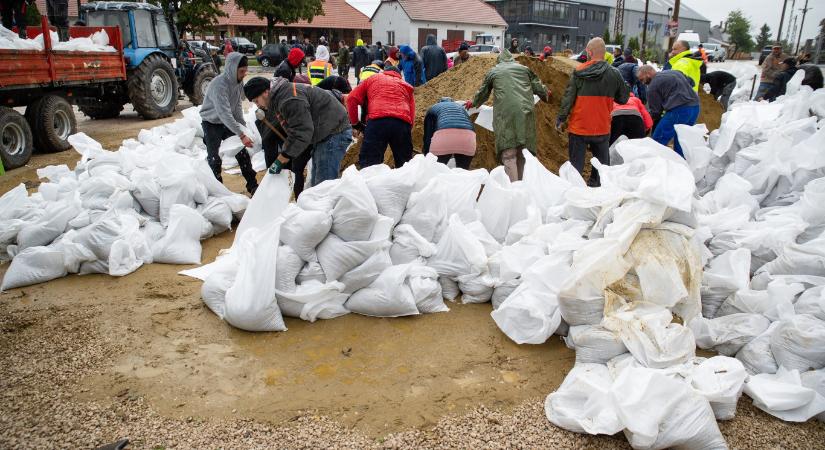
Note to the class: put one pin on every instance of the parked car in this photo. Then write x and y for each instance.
(271, 55)
(691, 38)
(200, 44)
(766, 50)
(609, 49)
(243, 45)
(716, 53)
(479, 49)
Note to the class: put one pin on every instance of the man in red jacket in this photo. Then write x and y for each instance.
(390, 117)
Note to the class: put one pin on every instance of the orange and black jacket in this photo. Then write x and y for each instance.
(588, 100)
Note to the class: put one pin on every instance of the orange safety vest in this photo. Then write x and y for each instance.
(318, 70)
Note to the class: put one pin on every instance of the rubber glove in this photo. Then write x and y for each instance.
(276, 167)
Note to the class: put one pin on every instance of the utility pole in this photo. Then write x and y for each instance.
(781, 21)
(789, 35)
(618, 24)
(799, 38)
(675, 18)
(644, 31)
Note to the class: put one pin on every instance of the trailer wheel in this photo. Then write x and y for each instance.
(99, 109)
(153, 88)
(201, 83)
(52, 121)
(15, 138)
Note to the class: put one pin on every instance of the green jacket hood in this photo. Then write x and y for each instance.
(505, 56)
(593, 69)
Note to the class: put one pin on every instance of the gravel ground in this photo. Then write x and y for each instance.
(44, 352)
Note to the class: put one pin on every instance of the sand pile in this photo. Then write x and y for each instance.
(462, 82)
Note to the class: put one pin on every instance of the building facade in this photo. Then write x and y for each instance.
(397, 22)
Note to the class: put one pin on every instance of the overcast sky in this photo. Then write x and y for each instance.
(763, 11)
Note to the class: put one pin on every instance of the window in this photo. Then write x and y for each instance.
(144, 29)
(390, 37)
(163, 32)
(593, 14)
(582, 14)
(112, 18)
(602, 16)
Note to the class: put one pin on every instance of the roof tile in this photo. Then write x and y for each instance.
(337, 14)
(460, 11)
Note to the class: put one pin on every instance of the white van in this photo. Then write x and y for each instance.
(691, 38)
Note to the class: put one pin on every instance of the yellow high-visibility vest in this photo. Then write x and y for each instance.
(318, 70)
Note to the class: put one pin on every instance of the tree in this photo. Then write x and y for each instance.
(764, 37)
(282, 11)
(606, 36)
(739, 30)
(618, 39)
(633, 44)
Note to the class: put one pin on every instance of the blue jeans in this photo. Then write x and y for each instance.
(327, 156)
(681, 115)
(762, 89)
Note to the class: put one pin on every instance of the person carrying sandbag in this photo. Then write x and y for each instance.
(514, 120)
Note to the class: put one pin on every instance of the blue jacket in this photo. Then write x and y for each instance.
(412, 66)
(444, 115)
(629, 72)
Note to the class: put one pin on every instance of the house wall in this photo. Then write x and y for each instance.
(657, 23)
(470, 31)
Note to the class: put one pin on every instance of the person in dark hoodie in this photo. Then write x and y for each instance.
(378, 53)
(780, 83)
(434, 57)
(286, 69)
(722, 85)
(360, 58)
(314, 124)
(628, 56)
(412, 66)
(513, 49)
(223, 117)
(588, 104)
(671, 101)
(618, 57)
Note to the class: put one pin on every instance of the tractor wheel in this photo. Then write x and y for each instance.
(99, 109)
(201, 83)
(153, 88)
(52, 121)
(15, 139)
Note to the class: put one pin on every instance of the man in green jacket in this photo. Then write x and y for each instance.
(343, 60)
(683, 60)
(514, 121)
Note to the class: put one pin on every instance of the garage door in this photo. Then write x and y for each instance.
(422, 36)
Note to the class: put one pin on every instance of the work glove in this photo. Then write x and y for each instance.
(359, 127)
(276, 167)
(559, 124)
(468, 104)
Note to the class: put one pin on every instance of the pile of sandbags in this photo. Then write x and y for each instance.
(97, 42)
(153, 200)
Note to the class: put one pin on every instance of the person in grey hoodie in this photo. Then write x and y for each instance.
(223, 117)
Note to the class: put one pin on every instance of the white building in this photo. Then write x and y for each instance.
(397, 22)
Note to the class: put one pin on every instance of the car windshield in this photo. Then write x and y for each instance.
(111, 19)
(242, 40)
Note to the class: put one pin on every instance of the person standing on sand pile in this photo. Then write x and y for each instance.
(390, 118)
(588, 104)
(434, 57)
(448, 133)
(722, 85)
(514, 120)
(463, 54)
(222, 117)
(314, 123)
(669, 92)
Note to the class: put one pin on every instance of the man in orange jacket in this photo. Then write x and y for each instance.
(588, 103)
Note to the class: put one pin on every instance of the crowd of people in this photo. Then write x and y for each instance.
(318, 115)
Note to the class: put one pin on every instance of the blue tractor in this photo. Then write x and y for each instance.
(157, 63)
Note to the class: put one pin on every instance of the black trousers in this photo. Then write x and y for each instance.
(343, 71)
(599, 147)
(213, 134)
(272, 147)
(461, 161)
(631, 126)
(12, 15)
(380, 132)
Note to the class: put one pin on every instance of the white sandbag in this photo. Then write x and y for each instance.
(355, 212)
(426, 212)
(312, 272)
(582, 403)
(268, 203)
(500, 205)
(779, 295)
(409, 246)
(594, 344)
(476, 288)
(660, 412)
(34, 265)
(250, 302)
(757, 356)
(649, 335)
(338, 257)
(313, 300)
(53, 224)
(798, 343)
(449, 288)
(178, 187)
(213, 291)
(815, 379)
(181, 243)
(524, 227)
(387, 296)
(425, 289)
(516, 258)
(596, 264)
(458, 252)
(391, 191)
(303, 230)
(545, 188)
(288, 267)
(782, 395)
(720, 380)
(503, 290)
(726, 274)
(584, 311)
(147, 192)
(727, 334)
(217, 212)
(365, 273)
(812, 302)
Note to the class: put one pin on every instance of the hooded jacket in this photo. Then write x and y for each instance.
(360, 56)
(392, 57)
(588, 100)
(412, 66)
(690, 65)
(434, 57)
(307, 113)
(286, 69)
(512, 86)
(388, 97)
(222, 102)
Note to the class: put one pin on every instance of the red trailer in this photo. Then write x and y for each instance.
(47, 82)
